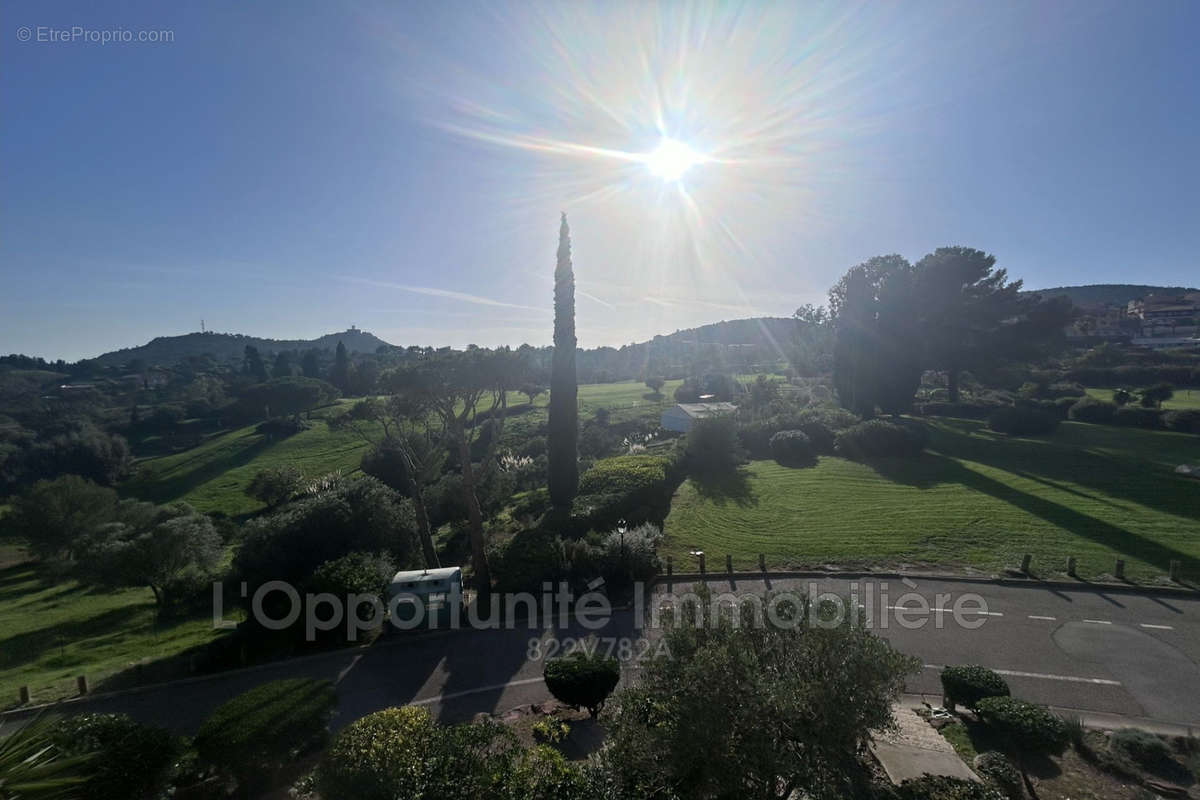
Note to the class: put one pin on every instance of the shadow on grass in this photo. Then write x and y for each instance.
(168, 489)
(729, 487)
(24, 648)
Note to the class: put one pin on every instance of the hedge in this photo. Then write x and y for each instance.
(1022, 421)
(877, 438)
(258, 730)
(1089, 409)
(970, 683)
(792, 448)
(1187, 421)
(133, 761)
(1025, 727)
(1135, 417)
(583, 680)
(624, 474)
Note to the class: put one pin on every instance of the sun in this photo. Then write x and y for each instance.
(671, 159)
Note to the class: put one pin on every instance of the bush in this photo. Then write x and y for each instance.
(527, 560)
(712, 446)
(959, 410)
(1019, 421)
(792, 448)
(942, 787)
(354, 573)
(624, 474)
(1000, 771)
(1182, 421)
(1025, 727)
(1089, 409)
(877, 438)
(1141, 747)
(275, 485)
(970, 683)
(132, 760)
(583, 680)
(630, 557)
(1134, 417)
(257, 731)
(281, 427)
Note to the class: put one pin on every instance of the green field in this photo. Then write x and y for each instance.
(976, 500)
(1183, 399)
(53, 629)
(213, 476)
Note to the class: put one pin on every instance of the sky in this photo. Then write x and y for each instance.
(288, 169)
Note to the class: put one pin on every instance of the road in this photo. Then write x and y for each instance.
(1094, 650)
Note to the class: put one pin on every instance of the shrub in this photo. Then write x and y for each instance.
(583, 679)
(1089, 409)
(970, 683)
(942, 787)
(281, 427)
(1025, 727)
(1183, 421)
(792, 448)
(1134, 417)
(1000, 771)
(712, 446)
(877, 438)
(257, 731)
(132, 760)
(527, 560)
(959, 410)
(1019, 421)
(624, 474)
(1141, 747)
(354, 573)
(631, 557)
(275, 485)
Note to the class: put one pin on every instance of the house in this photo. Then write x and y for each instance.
(680, 417)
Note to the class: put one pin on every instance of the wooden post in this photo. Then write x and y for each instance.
(729, 563)
(1120, 570)
(23, 694)
(670, 566)
(1025, 559)
(702, 563)
(762, 563)
(1175, 569)
(81, 684)
(1071, 566)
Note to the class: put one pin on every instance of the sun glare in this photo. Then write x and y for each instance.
(671, 159)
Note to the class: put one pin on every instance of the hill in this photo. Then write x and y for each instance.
(167, 350)
(1109, 293)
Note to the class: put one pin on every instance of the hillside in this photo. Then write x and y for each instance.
(1109, 293)
(166, 350)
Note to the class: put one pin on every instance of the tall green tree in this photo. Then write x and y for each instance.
(899, 346)
(340, 376)
(310, 364)
(283, 365)
(854, 356)
(252, 363)
(564, 389)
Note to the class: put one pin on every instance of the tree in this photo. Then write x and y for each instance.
(52, 516)
(153, 546)
(655, 383)
(532, 391)
(898, 353)
(340, 376)
(275, 485)
(310, 364)
(252, 363)
(563, 428)
(281, 397)
(283, 365)
(773, 707)
(854, 349)
(80, 448)
(1156, 395)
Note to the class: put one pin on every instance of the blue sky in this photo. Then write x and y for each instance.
(290, 169)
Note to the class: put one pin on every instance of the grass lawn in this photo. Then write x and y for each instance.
(1184, 398)
(53, 629)
(976, 500)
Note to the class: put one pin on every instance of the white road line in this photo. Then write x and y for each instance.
(443, 697)
(1012, 673)
(946, 610)
(1049, 619)
(1098, 621)
(1157, 627)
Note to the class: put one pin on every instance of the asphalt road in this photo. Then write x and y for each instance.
(1101, 651)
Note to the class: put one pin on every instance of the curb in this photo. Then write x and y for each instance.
(1032, 583)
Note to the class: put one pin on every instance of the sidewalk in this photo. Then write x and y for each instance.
(916, 749)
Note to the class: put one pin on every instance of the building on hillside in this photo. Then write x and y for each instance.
(679, 418)
(1167, 315)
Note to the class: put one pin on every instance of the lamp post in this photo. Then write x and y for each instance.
(621, 530)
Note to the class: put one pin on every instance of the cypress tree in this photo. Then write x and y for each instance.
(564, 412)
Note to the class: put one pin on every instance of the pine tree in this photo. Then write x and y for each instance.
(340, 377)
(564, 413)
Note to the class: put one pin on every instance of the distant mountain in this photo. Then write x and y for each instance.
(167, 350)
(1109, 293)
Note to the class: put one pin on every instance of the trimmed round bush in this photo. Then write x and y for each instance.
(878, 438)
(1186, 421)
(1089, 409)
(1021, 421)
(257, 731)
(1141, 747)
(1025, 727)
(969, 683)
(999, 770)
(583, 680)
(133, 760)
(792, 448)
(527, 560)
(374, 757)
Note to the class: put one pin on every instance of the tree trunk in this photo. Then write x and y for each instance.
(952, 384)
(423, 529)
(483, 577)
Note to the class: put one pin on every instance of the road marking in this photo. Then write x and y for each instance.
(1012, 673)
(453, 695)
(1048, 619)
(946, 610)
(1157, 627)
(1098, 621)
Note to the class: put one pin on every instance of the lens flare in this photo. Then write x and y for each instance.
(671, 159)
